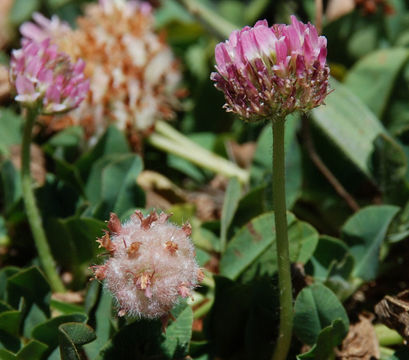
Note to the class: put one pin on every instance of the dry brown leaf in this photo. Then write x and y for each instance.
(338, 8)
(361, 342)
(370, 7)
(393, 311)
(160, 192)
(37, 164)
(219, 182)
(154, 181)
(197, 325)
(209, 199)
(6, 30)
(155, 201)
(213, 264)
(5, 87)
(70, 297)
(242, 154)
(206, 206)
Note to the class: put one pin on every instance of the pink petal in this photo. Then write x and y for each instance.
(308, 51)
(41, 20)
(265, 39)
(233, 39)
(297, 25)
(261, 23)
(222, 57)
(32, 31)
(248, 45)
(281, 51)
(300, 65)
(79, 66)
(24, 86)
(53, 94)
(292, 39)
(322, 57)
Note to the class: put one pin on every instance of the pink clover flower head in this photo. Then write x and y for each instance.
(151, 264)
(45, 77)
(270, 72)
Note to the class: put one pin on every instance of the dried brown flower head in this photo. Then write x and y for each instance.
(134, 75)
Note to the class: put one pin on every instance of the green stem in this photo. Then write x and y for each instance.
(386, 336)
(283, 256)
(172, 134)
(33, 214)
(163, 128)
(210, 19)
(188, 150)
(386, 352)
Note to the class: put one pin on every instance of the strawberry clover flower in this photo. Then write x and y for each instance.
(46, 82)
(270, 72)
(266, 73)
(151, 264)
(45, 77)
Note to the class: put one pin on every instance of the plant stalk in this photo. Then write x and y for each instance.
(386, 352)
(387, 336)
(219, 26)
(283, 254)
(33, 214)
(179, 145)
(164, 129)
(319, 9)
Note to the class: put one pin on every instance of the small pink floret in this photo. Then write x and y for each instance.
(47, 78)
(268, 72)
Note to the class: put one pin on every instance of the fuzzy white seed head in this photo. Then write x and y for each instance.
(151, 265)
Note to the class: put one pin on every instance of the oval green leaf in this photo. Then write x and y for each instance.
(256, 241)
(316, 307)
(71, 336)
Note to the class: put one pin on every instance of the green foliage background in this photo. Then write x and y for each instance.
(361, 134)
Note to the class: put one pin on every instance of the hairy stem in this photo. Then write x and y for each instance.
(33, 214)
(283, 254)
